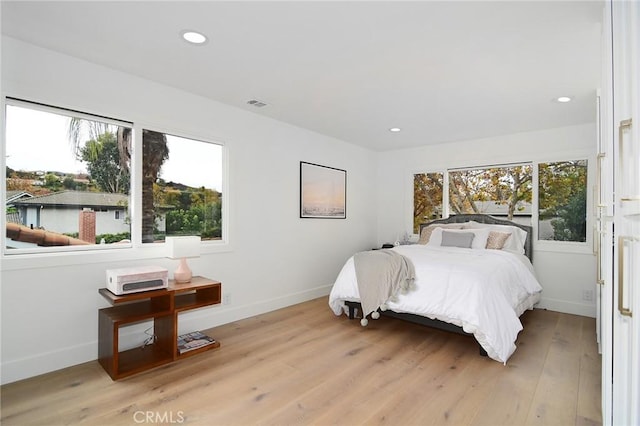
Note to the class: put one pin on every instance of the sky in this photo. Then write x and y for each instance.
(38, 140)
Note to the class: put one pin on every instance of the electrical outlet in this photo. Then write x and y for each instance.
(587, 295)
(226, 299)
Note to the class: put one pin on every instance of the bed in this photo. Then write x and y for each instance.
(478, 285)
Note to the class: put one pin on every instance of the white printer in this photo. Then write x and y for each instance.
(136, 279)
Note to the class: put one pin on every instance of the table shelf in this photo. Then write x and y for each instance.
(161, 306)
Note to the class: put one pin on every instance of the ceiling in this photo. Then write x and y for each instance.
(440, 71)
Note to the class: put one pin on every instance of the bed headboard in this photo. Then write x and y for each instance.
(483, 218)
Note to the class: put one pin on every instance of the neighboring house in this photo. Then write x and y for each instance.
(60, 211)
(523, 209)
(521, 215)
(13, 196)
(16, 195)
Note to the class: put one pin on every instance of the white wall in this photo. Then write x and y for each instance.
(565, 273)
(274, 259)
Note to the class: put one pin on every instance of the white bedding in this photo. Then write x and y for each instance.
(482, 291)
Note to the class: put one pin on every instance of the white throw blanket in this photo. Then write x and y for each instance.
(381, 276)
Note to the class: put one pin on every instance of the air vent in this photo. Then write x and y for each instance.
(256, 103)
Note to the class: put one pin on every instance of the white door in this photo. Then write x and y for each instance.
(626, 261)
(603, 235)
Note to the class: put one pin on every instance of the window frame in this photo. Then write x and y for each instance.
(492, 166)
(585, 247)
(581, 247)
(207, 246)
(37, 106)
(16, 259)
(445, 194)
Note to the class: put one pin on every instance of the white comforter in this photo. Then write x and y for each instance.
(482, 291)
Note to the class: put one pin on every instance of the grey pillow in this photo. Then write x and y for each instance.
(457, 239)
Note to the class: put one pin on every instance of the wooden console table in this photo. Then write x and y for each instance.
(161, 306)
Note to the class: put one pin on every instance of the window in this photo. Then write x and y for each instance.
(181, 187)
(497, 191)
(562, 201)
(507, 191)
(427, 198)
(69, 186)
(64, 172)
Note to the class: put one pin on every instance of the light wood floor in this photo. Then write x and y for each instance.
(302, 365)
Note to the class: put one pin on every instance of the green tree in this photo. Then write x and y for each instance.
(571, 225)
(80, 130)
(562, 198)
(155, 152)
(557, 183)
(68, 183)
(52, 182)
(104, 166)
(197, 211)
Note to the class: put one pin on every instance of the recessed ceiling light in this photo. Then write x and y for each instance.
(194, 37)
(395, 129)
(563, 99)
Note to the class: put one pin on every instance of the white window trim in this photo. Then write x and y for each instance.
(31, 252)
(45, 257)
(209, 246)
(578, 247)
(538, 245)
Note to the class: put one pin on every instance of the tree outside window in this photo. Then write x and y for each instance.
(102, 158)
(427, 198)
(497, 191)
(60, 163)
(507, 191)
(66, 181)
(562, 201)
(181, 187)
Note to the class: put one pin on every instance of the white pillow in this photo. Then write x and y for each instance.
(479, 239)
(425, 234)
(515, 243)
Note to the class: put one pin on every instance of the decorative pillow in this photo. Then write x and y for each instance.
(457, 239)
(425, 235)
(479, 239)
(514, 244)
(497, 239)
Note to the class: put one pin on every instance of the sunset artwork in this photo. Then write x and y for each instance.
(322, 191)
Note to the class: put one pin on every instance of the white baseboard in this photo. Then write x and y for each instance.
(567, 307)
(42, 363)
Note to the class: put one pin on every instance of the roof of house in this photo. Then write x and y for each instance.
(77, 199)
(14, 195)
(40, 237)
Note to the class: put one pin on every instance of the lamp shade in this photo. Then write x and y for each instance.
(181, 247)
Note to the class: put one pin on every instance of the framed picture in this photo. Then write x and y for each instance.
(323, 191)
